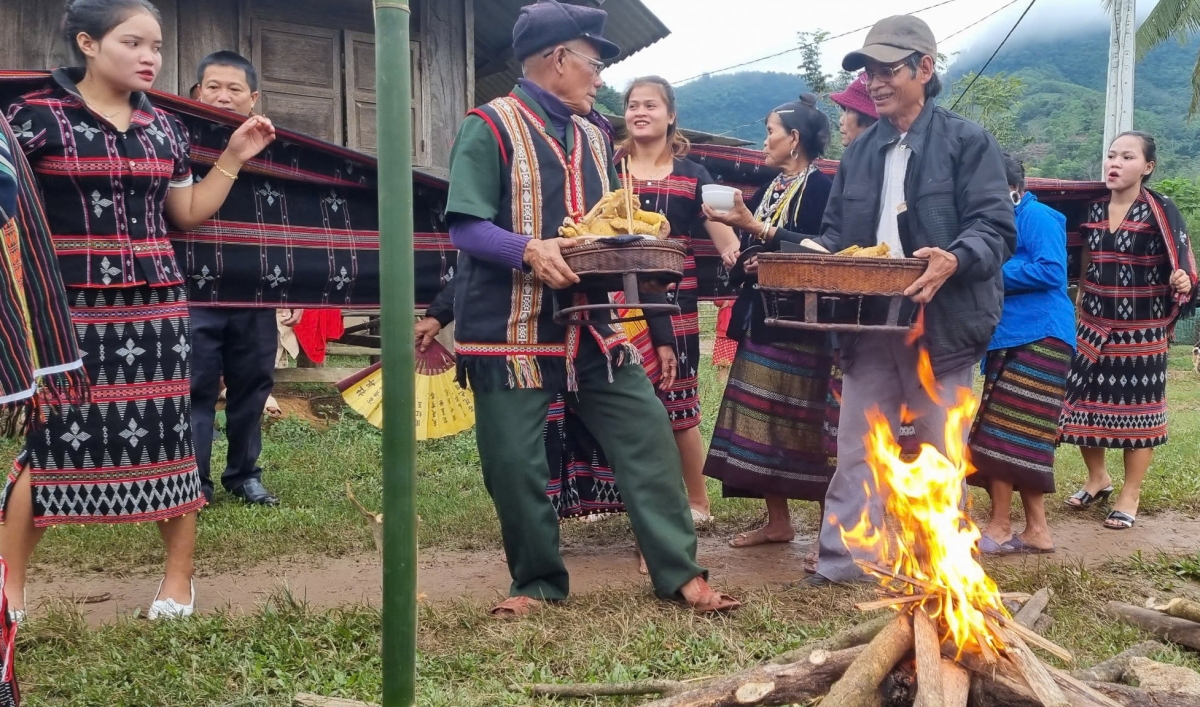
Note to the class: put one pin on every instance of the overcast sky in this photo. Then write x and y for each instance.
(708, 35)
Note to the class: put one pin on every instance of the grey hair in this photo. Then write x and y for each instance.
(933, 89)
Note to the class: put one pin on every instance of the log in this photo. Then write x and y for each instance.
(1032, 611)
(1005, 687)
(1168, 628)
(859, 686)
(956, 684)
(306, 700)
(1035, 673)
(1182, 608)
(1043, 625)
(795, 682)
(606, 689)
(1112, 669)
(1136, 697)
(929, 661)
(858, 635)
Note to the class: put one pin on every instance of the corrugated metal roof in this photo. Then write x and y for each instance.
(630, 24)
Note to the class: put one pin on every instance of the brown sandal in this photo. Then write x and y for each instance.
(715, 603)
(515, 607)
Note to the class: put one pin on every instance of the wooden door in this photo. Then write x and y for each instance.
(300, 77)
(360, 97)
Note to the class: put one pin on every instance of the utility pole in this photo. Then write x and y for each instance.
(1118, 109)
(393, 87)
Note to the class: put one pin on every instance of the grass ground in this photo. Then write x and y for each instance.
(467, 660)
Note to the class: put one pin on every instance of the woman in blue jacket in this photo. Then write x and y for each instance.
(1013, 439)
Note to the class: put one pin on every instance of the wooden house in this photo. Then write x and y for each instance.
(316, 58)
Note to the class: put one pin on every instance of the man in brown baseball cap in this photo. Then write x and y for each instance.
(931, 185)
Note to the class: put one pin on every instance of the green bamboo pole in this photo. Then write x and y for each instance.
(393, 84)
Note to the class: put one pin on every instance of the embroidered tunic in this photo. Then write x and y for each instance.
(506, 168)
(106, 189)
(127, 455)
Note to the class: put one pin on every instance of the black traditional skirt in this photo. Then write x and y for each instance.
(1016, 429)
(581, 481)
(1117, 390)
(125, 457)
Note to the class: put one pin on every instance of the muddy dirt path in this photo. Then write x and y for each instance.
(483, 575)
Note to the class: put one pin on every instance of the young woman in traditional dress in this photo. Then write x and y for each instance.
(770, 440)
(668, 183)
(1013, 439)
(112, 170)
(1138, 276)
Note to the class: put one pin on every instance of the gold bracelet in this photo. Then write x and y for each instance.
(224, 171)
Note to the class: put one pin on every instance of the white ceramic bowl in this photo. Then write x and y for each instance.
(718, 197)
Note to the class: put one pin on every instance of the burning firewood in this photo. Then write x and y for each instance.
(929, 661)
(858, 687)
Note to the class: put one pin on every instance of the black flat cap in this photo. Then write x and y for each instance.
(549, 22)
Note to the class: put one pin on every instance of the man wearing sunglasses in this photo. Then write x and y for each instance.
(931, 185)
(520, 166)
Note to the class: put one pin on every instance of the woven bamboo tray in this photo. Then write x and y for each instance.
(610, 267)
(840, 274)
(800, 289)
(602, 266)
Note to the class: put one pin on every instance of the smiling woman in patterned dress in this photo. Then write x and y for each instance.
(112, 170)
(670, 184)
(1138, 276)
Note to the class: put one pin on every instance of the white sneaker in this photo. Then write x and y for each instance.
(168, 609)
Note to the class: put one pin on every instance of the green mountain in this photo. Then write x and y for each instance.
(1060, 113)
(735, 104)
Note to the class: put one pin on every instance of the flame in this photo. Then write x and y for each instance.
(928, 380)
(918, 328)
(927, 534)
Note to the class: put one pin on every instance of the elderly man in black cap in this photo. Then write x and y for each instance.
(520, 165)
(931, 185)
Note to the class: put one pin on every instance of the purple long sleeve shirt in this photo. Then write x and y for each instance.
(484, 239)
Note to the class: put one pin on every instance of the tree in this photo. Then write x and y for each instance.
(810, 61)
(995, 103)
(609, 101)
(1170, 19)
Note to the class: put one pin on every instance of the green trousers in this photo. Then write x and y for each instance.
(628, 421)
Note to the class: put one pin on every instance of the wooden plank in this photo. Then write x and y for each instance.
(357, 15)
(168, 76)
(469, 36)
(359, 58)
(313, 375)
(444, 44)
(300, 77)
(32, 39)
(929, 661)
(346, 350)
(204, 28)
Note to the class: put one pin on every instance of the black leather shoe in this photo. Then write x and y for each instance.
(255, 494)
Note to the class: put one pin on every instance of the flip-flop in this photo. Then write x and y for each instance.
(1017, 546)
(515, 607)
(715, 603)
(753, 538)
(989, 546)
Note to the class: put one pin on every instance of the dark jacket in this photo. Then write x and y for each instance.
(958, 200)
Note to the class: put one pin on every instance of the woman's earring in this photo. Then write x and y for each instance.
(795, 154)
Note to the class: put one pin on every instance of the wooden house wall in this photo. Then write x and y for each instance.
(315, 59)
